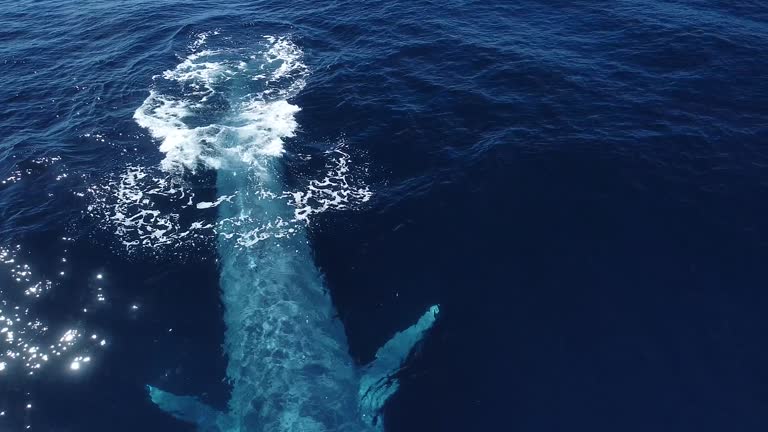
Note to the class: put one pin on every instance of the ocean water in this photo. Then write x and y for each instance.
(581, 186)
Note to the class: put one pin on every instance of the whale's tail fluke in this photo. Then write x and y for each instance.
(379, 381)
(191, 410)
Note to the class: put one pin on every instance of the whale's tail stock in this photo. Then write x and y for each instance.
(377, 383)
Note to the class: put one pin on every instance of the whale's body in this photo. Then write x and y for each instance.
(288, 360)
(289, 365)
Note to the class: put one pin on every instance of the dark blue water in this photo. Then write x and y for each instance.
(582, 186)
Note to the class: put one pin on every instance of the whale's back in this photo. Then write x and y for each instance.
(288, 355)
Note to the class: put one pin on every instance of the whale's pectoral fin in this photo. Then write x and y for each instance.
(379, 381)
(189, 409)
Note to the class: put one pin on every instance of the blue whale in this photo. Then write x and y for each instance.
(288, 359)
(289, 366)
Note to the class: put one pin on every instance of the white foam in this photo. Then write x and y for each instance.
(336, 191)
(266, 125)
(134, 205)
(184, 147)
(202, 38)
(219, 108)
(259, 120)
(206, 204)
(288, 55)
(339, 189)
